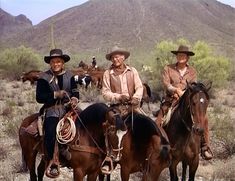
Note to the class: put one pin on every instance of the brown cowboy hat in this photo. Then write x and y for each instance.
(183, 49)
(116, 50)
(56, 53)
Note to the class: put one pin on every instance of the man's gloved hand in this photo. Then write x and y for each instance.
(134, 101)
(124, 98)
(74, 102)
(59, 94)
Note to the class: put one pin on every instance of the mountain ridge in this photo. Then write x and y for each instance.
(97, 25)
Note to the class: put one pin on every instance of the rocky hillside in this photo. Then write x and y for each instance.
(138, 24)
(11, 25)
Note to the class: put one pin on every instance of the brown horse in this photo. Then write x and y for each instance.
(143, 148)
(94, 133)
(31, 76)
(185, 129)
(30, 146)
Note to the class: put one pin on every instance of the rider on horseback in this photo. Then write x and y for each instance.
(55, 88)
(122, 86)
(121, 83)
(175, 78)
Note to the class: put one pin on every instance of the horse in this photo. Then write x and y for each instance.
(95, 139)
(83, 80)
(31, 76)
(144, 148)
(97, 77)
(185, 129)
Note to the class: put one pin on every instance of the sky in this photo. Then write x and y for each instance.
(39, 10)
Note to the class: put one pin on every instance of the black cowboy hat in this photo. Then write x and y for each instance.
(116, 50)
(183, 49)
(56, 53)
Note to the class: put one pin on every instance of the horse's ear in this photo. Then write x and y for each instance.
(189, 85)
(208, 85)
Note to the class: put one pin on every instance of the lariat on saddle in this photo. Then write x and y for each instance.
(66, 129)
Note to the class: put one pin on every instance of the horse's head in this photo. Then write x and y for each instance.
(114, 129)
(196, 100)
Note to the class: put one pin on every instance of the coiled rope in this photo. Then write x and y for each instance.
(66, 129)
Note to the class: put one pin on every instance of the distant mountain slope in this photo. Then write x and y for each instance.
(11, 25)
(98, 24)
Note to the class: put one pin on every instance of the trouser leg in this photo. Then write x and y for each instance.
(50, 135)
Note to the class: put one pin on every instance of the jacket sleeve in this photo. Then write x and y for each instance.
(44, 94)
(167, 81)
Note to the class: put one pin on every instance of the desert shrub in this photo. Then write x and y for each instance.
(12, 126)
(223, 130)
(3, 153)
(14, 61)
(224, 171)
(89, 95)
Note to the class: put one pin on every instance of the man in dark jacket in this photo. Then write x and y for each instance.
(54, 88)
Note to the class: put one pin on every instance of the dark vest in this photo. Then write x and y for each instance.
(58, 110)
(115, 83)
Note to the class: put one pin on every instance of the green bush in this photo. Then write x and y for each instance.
(14, 61)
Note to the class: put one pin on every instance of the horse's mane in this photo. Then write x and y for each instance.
(93, 115)
(143, 128)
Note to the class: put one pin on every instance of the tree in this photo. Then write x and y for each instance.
(14, 61)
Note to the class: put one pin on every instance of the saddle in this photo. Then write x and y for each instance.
(35, 128)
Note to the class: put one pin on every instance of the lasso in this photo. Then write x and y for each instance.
(66, 134)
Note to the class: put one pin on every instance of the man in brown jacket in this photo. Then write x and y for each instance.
(175, 78)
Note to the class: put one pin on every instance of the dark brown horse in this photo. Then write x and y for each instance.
(94, 133)
(186, 128)
(143, 149)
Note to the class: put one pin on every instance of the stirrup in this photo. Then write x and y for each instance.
(107, 168)
(48, 170)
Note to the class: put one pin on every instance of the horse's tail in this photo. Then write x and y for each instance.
(23, 167)
(148, 90)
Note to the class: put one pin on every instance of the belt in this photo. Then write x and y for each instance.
(54, 107)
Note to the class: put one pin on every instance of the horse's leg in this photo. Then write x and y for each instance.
(102, 176)
(92, 177)
(41, 169)
(78, 174)
(184, 169)
(30, 159)
(125, 173)
(193, 168)
(173, 171)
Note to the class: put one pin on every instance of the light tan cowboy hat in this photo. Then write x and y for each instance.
(56, 53)
(183, 49)
(116, 50)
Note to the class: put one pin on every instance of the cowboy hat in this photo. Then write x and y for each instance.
(56, 53)
(183, 49)
(116, 50)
